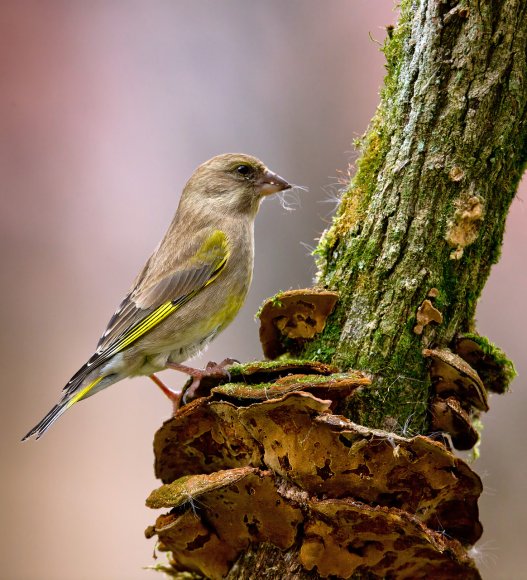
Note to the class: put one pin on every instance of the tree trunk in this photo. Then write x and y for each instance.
(421, 222)
(427, 207)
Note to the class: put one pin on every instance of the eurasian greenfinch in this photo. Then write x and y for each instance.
(191, 287)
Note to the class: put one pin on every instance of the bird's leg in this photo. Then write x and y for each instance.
(212, 370)
(191, 371)
(172, 395)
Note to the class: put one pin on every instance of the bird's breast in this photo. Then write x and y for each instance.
(188, 330)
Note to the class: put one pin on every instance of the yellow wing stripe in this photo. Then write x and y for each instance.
(159, 314)
(78, 396)
(149, 322)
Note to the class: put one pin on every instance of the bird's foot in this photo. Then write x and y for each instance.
(212, 370)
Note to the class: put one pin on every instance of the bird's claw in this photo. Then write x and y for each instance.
(212, 369)
(219, 370)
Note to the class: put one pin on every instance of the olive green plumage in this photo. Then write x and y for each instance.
(191, 287)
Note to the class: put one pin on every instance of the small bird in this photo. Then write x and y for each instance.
(190, 288)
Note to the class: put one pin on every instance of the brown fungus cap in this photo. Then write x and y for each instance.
(375, 505)
(294, 316)
(194, 546)
(426, 313)
(452, 376)
(490, 362)
(345, 538)
(201, 440)
(417, 475)
(449, 416)
(230, 510)
(203, 437)
(258, 372)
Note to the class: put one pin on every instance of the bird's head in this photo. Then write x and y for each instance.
(231, 183)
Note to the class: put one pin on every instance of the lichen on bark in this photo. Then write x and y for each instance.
(427, 206)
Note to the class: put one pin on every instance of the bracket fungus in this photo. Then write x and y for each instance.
(461, 380)
(427, 313)
(335, 387)
(368, 501)
(459, 396)
(451, 375)
(293, 317)
(490, 362)
(256, 372)
(224, 512)
(206, 435)
(344, 538)
(463, 227)
(449, 416)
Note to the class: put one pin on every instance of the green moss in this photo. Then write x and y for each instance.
(275, 301)
(373, 147)
(496, 370)
(324, 346)
(477, 423)
(240, 369)
(407, 352)
(401, 399)
(234, 388)
(355, 199)
(173, 494)
(493, 351)
(394, 48)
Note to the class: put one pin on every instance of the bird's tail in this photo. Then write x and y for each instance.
(67, 401)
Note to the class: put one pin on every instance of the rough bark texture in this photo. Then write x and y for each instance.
(427, 207)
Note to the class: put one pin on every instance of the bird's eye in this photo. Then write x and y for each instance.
(244, 170)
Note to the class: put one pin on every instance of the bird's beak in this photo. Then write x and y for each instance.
(271, 183)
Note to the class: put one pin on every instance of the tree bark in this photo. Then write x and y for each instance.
(427, 206)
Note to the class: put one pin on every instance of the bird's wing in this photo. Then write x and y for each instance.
(148, 304)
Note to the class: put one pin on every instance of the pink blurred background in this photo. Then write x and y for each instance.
(106, 109)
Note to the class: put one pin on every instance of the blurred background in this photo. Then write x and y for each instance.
(106, 109)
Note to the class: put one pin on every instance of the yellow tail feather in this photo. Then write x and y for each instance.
(83, 392)
(60, 408)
